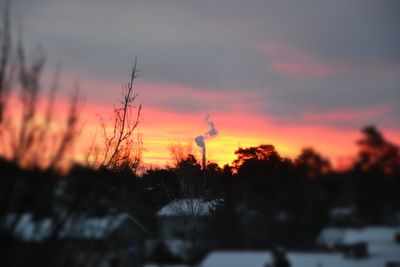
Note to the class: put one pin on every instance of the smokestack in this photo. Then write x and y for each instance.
(203, 159)
(200, 140)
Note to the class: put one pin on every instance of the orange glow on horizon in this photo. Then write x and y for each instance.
(241, 130)
(161, 128)
(238, 127)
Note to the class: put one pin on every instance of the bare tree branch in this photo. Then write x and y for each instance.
(122, 147)
(5, 59)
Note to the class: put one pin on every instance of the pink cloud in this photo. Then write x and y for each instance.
(301, 69)
(297, 63)
(170, 96)
(211, 99)
(346, 115)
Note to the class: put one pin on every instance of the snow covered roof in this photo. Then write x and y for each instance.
(92, 228)
(188, 207)
(26, 229)
(344, 236)
(296, 259)
(76, 227)
(237, 259)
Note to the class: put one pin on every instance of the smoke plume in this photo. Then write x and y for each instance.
(200, 140)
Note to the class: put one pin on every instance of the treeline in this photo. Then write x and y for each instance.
(261, 194)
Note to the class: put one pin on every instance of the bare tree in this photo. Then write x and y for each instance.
(180, 151)
(6, 69)
(34, 141)
(30, 137)
(122, 147)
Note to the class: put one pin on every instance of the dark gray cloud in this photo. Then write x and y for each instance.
(223, 45)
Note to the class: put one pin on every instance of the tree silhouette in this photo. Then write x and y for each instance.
(376, 180)
(259, 153)
(377, 153)
(312, 164)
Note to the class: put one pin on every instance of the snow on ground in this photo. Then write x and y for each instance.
(297, 259)
(335, 260)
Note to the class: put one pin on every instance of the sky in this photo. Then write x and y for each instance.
(288, 73)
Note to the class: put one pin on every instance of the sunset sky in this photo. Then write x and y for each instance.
(287, 73)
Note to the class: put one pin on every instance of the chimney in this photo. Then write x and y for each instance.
(203, 160)
(200, 140)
